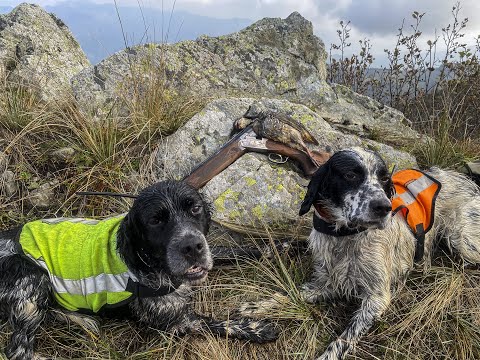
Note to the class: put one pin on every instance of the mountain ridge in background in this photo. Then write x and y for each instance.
(97, 27)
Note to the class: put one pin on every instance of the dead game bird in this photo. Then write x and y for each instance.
(277, 127)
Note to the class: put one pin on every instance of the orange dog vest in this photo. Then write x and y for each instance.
(415, 197)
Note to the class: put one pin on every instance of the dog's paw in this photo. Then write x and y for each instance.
(86, 322)
(328, 356)
(262, 308)
(38, 357)
(336, 350)
(262, 331)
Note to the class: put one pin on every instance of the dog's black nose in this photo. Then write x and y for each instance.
(193, 247)
(380, 207)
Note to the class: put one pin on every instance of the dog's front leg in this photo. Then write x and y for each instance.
(174, 313)
(371, 309)
(258, 331)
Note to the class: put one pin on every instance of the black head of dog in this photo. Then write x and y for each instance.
(164, 233)
(353, 189)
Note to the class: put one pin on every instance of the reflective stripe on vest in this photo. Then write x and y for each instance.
(415, 197)
(95, 284)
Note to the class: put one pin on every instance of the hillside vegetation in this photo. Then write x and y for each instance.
(438, 92)
(52, 149)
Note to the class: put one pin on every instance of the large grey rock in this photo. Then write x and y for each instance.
(273, 57)
(254, 191)
(38, 49)
(361, 115)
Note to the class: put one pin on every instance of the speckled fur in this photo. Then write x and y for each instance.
(372, 265)
(152, 240)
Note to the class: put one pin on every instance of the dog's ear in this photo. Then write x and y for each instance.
(130, 233)
(314, 187)
(208, 209)
(126, 239)
(389, 186)
(131, 227)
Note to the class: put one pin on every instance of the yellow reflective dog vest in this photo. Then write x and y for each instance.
(82, 262)
(415, 197)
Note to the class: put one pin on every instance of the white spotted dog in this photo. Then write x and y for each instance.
(364, 251)
(143, 263)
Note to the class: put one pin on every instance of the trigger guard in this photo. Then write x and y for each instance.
(277, 158)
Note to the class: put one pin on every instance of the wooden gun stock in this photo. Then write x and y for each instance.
(242, 143)
(219, 161)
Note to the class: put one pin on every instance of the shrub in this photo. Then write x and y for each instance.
(439, 94)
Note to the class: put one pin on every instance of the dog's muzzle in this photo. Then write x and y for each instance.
(193, 259)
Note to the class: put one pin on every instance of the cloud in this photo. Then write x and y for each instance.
(377, 20)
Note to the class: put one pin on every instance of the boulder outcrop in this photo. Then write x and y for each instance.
(38, 50)
(276, 58)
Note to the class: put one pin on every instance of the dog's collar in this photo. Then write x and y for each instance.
(142, 291)
(322, 225)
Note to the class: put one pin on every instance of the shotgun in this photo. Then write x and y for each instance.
(247, 141)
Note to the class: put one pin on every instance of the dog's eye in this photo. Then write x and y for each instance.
(384, 178)
(350, 176)
(154, 220)
(161, 217)
(197, 209)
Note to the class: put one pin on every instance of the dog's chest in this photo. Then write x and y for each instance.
(343, 267)
(169, 310)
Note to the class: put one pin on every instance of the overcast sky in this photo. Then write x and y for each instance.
(377, 20)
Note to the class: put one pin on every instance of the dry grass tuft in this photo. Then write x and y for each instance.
(111, 152)
(443, 150)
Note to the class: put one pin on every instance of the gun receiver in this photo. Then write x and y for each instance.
(247, 141)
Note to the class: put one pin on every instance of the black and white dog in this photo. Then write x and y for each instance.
(360, 251)
(375, 251)
(162, 243)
